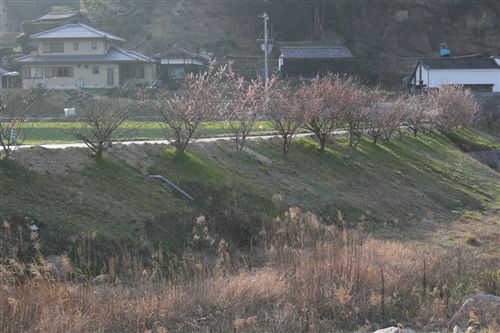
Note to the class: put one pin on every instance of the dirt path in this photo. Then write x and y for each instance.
(212, 139)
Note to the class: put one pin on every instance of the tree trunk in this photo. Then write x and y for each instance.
(322, 145)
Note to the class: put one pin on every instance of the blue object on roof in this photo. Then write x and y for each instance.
(460, 63)
(77, 30)
(114, 54)
(444, 51)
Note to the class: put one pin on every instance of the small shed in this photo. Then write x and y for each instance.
(176, 62)
(476, 72)
(309, 60)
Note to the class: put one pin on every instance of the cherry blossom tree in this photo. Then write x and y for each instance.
(375, 111)
(329, 102)
(393, 118)
(351, 100)
(244, 102)
(182, 113)
(415, 113)
(452, 106)
(319, 102)
(285, 113)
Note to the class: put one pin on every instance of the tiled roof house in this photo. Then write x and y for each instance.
(80, 56)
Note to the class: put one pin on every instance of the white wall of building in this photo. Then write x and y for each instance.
(434, 78)
(83, 77)
(84, 47)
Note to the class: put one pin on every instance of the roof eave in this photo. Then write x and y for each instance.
(82, 62)
(72, 38)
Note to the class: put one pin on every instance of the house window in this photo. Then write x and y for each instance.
(139, 72)
(75, 46)
(64, 71)
(48, 72)
(32, 72)
(53, 47)
(95, 70)
(94, 45)
(132, 72)
(25, 72)
(58, 72)
(36, 72)
(176, 73)
(479, 87)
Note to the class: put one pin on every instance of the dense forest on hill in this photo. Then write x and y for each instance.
(385, 36)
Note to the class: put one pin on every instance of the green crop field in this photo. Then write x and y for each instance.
(54, 132)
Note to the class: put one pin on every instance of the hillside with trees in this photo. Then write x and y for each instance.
(385, 37)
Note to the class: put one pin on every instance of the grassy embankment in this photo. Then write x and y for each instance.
(300, 274)
(395, 184)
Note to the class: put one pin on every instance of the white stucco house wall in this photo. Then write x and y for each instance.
(478, 73)
(79, 56)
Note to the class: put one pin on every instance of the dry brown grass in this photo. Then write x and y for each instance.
(306, 276)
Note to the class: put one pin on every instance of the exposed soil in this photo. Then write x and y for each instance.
(140, 157)
(53, 161)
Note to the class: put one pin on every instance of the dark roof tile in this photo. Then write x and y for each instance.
(114, 54)
(460, 63)
(78, 30)
(315, 52)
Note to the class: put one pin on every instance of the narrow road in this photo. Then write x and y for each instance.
(212, 139)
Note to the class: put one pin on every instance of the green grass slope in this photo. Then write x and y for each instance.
(108, 197)
(393, 184)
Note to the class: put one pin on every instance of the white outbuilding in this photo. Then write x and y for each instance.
(478, 73)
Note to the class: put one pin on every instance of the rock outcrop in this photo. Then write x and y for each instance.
(478, 311)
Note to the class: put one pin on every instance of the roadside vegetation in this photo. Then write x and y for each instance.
(302, 276)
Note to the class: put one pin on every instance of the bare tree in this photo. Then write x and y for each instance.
(452, 106)
(319, 16)
(14, 107)
(489, 113)
(183, 113)
(285, 113)
(98, 120)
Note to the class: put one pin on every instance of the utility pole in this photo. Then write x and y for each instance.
(3, 16)
(266, 46)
